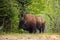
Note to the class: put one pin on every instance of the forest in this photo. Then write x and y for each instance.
(11, 10)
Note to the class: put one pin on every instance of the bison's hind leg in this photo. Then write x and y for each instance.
(38, 27)
(42, 28)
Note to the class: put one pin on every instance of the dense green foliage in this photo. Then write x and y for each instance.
(9, 14)
(49, 10)
(11, 10)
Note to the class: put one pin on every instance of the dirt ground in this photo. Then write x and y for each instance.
(29, 37)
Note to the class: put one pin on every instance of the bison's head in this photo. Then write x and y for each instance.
(22, 24)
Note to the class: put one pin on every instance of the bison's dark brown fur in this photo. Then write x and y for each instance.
(32, 23)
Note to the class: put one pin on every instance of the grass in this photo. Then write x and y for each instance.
(4, 33)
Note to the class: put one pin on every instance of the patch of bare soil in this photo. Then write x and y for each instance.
(29, 37)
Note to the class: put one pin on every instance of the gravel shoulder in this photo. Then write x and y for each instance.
(29, 37)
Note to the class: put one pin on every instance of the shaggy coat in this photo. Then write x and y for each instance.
(32, 23)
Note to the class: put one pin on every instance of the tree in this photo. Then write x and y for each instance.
(9, 10)
(23, 4)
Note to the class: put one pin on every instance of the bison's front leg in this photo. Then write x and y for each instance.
(42, 28)
(34, 28)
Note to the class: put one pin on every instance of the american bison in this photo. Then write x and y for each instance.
(32, 23)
